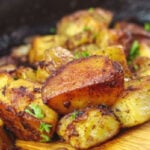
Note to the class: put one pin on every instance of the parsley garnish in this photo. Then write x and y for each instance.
(74, 114)
(45, 138)
(35, 111)
(45, 127)
(52, 30)
(91, 9)
(134, 51)
(147, 27)
(86, 28)
(82, 54)
(136, 67)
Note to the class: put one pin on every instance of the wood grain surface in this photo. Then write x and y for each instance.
(137, 138)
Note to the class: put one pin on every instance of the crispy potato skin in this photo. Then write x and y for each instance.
(133, 107)
(83, 83)
(78, 21)
(15, 98)
(90, 127)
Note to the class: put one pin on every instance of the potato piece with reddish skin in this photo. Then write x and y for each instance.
(88, 127)
(83, 83)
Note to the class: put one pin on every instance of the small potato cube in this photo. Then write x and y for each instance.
(82, 83)
(133, 107)
(89, 127)
(41, 44)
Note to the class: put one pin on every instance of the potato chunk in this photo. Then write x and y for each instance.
(22, 110)
(42, 43)
(89, 127)
(82, 83)
(133, 107)
(82, 20)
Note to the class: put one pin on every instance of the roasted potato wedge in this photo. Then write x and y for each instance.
(5, 142)
(89, 127)
(42, 43)
(22, 110)
(80, 21)
(83, 83)
(133, 107)
(30, 145)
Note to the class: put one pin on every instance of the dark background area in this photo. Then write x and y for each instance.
(22, 18)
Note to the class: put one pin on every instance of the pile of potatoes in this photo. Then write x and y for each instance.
(77, 88)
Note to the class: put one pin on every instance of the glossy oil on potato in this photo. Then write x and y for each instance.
(84, 82)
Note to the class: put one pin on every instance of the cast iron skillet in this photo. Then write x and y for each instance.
(22, 18)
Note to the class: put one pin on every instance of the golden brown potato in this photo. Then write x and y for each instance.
(80, 21)
(115, 53)
(133, 107)
(141, 66)
(110, 37)
(41, 44)
(5, 142)
(54, 58)
(80, 39)
(83, 83)
(23, 111)
(30, 145)
(144, 48)
(24, 73)
(88, 127)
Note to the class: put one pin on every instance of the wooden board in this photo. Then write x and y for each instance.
(137, 138)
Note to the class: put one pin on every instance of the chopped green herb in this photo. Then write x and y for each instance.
(147, 27)
(134, 51)
(91, 9)
(74, 114)
(136, 67)
(15, 78)
(45, 138)
(35, 111)
(82, 54)
(45, 127)
(52, 30)
(86, 28)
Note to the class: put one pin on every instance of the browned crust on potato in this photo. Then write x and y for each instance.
(84, 82)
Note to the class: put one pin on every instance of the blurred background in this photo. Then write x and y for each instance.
(22, 18)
